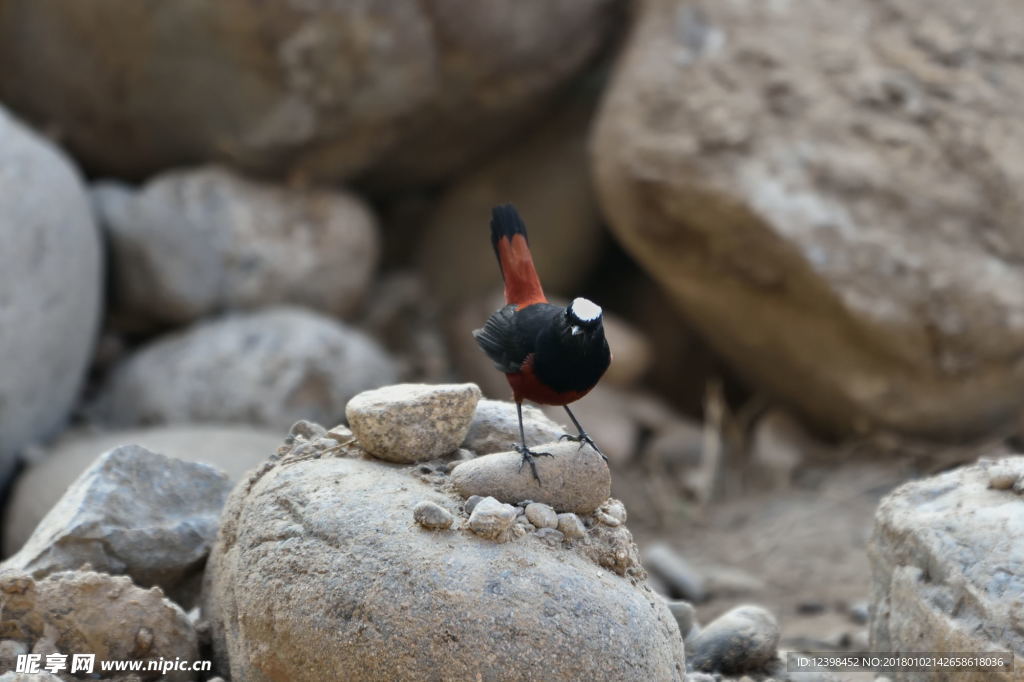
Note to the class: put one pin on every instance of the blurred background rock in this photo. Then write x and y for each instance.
(220, 217)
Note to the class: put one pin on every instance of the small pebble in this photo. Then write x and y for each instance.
(571, 526)
(682, 579)
(684, 613)
(550, 536)
(519, 530)
(541, 515)
(525, 525)
(614, 509)
(471, 503)
(701, 677)
(1002, 477)
(143, 640)
(431, 515)
(739, 641)
(10, 649)
(307, 429)
(1018, 486)
(860, 613)
(810, 608)
(340, 434)
(492, 519)
(304, 450)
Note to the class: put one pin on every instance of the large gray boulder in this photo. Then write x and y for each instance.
(407, 90)
(321, 572)
(132, 512)
(269, 368)
(193, 242)
(51, 282)
(827, 189)
(231, 449)
(948, 569)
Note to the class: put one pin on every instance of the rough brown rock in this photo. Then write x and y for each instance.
(947, 576)
(320, 573)
(826, 188)
(573, 479)
(86, 612)
(409, 91)
(412, 422)
(236, 244)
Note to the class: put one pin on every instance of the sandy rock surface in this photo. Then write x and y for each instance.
(324, 553)
(132, 512)
(267, 368)
(807, 180)
(412, 422)
(573, 479)
(195, 242)
(51, 276)
(946, 562)
(87, 612)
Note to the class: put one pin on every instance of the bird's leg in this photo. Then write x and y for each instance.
(526, 452)
(582, 438)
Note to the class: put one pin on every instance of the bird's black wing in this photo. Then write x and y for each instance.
(501, 340)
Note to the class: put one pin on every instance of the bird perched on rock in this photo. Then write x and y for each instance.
(551, 355)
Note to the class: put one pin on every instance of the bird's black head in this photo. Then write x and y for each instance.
(583, 318)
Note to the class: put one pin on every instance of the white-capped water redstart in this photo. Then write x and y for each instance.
(550, 355)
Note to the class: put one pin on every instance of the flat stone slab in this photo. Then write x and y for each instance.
(573, 479)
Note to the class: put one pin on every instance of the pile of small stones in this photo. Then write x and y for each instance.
(501, 522)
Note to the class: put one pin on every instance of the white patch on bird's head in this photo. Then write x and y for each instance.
(584, 310)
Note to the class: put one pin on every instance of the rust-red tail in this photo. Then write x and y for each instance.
(508, 236)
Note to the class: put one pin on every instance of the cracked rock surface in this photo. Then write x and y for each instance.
(948, 567)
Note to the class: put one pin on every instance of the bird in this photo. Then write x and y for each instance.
(551, 355)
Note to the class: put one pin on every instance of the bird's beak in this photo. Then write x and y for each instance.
(576, 331)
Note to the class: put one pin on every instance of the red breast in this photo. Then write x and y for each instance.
(526, 386)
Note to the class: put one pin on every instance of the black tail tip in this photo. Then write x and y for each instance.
(505, 222)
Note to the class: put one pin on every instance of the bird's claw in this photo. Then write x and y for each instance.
(584, 439)
(528, 456)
